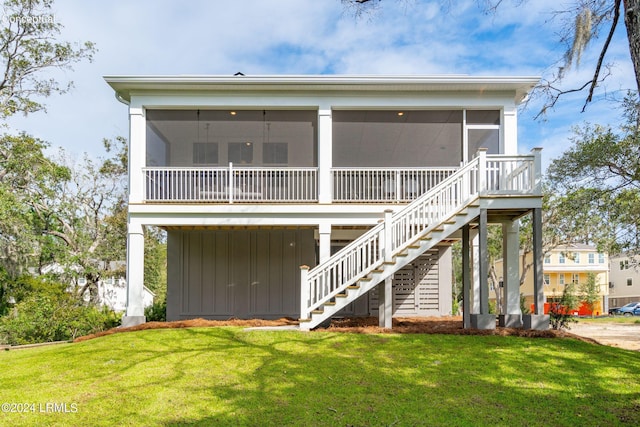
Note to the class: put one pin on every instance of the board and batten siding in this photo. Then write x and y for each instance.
(218, 274)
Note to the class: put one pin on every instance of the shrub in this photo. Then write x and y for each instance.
(560, 313)
(455, 307)
(46, 317)
(157, 312)
(524, 308)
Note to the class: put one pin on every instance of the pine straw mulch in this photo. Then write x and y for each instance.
(359, 325)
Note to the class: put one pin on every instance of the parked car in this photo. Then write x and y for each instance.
(631, 309)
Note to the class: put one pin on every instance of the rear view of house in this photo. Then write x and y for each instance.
(315, 196)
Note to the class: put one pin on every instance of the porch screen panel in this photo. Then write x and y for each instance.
(485, 138)
(371, 138)
(215, 137)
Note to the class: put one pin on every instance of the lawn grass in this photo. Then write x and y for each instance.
(610, 319)
(228, 376)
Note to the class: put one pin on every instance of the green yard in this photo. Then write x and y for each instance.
(228, 376)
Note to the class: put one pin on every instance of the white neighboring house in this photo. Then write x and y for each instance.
(329, 195)
(112, 291)
(624, 280)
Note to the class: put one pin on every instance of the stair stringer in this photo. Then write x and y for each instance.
(424, 241)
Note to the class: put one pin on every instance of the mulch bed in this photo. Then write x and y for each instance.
(360, 325)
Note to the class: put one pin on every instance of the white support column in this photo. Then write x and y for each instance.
(325, 155)
(512, 315)
(510, 130)
(466, 277)
(385, 303)
(304, 297)
(537, 320)
(137, 153)
(483, 320)
(134, 314)
(475, 272)
(324, 241)
(445, 273)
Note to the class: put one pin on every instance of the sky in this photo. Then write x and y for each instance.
(255, 37)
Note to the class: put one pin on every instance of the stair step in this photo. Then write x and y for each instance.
(462, 213)
(426, 238)
(304, 320)
(413, 247)
(402, 254)
(358, 286)
(450, 221)
(389, 262)
(438, 229)
(376, 271)
(317, 312)
(341, 295)
(331, 303)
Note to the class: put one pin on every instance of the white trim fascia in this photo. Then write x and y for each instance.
(519, 85)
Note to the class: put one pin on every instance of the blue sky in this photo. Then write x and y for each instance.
(161, 37)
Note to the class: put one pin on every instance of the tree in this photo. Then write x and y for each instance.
(28, 53)
(561, 312)
(590, 292)
(598, 184)
(28, 48)
(79, 228)
(582, 22)
(25, 175)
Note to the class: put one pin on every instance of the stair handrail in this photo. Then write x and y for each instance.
(366, 252)
(357, 259)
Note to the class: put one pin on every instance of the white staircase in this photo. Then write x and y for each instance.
(403, 236)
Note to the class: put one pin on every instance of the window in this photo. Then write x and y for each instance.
(241, 153)
(205, 153)
(547, 259)
(546, 280)
(576, 258)
(575, 278)
(624, 265)
(592, 258)
(275, 153)
(561, 279)
(601, 258)
(629, 282)
(561, 258)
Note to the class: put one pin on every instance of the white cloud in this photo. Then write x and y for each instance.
(308, 37)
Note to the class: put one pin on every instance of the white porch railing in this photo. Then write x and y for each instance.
(505, 174)
(385, 185)
(231, 184)
(483, 175)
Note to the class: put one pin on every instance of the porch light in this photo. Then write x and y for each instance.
(233, 113)
(400, 113)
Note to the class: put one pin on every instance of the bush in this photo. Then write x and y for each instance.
(560, 313)
(157, 312)
(524, 307)
(47, 317)
(455, 307)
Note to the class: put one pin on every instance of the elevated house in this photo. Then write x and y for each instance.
(317, 196)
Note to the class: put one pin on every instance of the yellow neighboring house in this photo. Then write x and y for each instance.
(567, 264)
